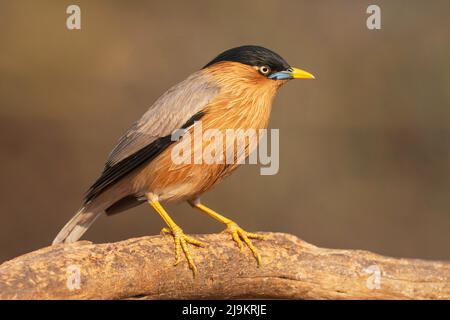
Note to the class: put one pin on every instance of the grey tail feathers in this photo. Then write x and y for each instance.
(77, 226)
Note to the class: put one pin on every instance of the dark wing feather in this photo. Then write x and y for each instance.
(177, 108)
(113, 173)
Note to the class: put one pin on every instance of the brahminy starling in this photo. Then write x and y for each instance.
(233, 91)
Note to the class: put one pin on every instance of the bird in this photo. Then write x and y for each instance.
(235, 90)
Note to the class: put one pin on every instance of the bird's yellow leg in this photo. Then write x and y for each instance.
(237, 233)
(181, 239)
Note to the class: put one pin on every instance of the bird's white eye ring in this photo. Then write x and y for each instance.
(265, 70)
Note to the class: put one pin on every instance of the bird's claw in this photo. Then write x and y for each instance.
(181, 244)
(238, 234)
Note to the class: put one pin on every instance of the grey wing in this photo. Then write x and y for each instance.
(149, 136)
(171, 111)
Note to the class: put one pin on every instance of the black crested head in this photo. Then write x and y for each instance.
(252, 56)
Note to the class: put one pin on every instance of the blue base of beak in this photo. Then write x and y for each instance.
(282, 75)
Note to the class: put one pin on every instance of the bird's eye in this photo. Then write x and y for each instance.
(265, 70)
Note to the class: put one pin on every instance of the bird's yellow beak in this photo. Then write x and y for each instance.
(291, 73)
(297, 73)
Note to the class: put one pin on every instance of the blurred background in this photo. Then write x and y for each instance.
(364, 149)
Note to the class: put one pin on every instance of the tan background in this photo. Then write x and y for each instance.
(365, 149)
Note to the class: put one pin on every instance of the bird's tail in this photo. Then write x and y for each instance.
(77, 226)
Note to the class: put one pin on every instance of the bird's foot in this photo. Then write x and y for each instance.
(238, 234)
(181, 244)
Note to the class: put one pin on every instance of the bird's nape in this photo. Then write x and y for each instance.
(253, 56)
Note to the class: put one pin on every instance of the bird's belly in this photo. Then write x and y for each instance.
(179, 182)
(190, 183)
(172, 181)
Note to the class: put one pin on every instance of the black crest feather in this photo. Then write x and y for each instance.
(253, 56)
